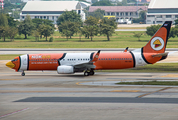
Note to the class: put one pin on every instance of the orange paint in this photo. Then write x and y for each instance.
(43, 61)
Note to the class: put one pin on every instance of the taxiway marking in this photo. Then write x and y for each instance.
(14, 112)
(125, 91)
(154, 92)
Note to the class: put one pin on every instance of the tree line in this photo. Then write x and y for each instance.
(173, 32)
(91, 27)
(69, 23)
(154, 28)
(36, 27)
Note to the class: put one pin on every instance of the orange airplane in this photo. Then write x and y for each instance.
(68, 63)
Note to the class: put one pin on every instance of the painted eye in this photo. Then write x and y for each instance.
(14, 59)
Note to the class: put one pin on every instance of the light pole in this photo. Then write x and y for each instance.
(137, 9)
(13, 12)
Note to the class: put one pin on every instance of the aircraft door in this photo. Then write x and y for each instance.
(24, 59)
(139, 60)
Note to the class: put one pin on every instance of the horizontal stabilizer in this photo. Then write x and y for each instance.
(161, 55)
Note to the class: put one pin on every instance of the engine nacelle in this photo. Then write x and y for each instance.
(65, 69)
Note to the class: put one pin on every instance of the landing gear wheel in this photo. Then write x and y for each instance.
(92, 72)
(86, 73)
(23, 73)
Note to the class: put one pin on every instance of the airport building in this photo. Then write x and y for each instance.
(120, 12)
(51, 10)
(160, 11)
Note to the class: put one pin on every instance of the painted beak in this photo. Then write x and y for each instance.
(10, 64)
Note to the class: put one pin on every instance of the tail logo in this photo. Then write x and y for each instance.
(157, 43)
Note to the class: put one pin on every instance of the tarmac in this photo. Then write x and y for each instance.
(50, 96)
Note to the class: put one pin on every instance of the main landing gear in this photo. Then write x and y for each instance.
(23, 73)
(89, 72)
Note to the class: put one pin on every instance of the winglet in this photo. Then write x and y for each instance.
(126, 49)
(96, 57)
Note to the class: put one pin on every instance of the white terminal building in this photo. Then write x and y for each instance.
(51, 10)
(160, 11)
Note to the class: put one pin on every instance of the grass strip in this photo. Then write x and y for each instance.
(8, 56)
(120, 39)
(173, 83)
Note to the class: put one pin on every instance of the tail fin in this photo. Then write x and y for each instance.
(158, 42)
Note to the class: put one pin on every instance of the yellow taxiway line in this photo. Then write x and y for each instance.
(154, 92)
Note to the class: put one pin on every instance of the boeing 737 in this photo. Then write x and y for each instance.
(68, 63)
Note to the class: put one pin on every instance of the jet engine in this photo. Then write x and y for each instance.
(65, 69)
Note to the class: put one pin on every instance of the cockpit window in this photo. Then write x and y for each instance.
(14, 59)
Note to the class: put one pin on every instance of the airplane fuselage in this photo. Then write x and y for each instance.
(52, 61)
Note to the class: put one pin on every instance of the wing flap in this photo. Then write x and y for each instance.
(88, 65)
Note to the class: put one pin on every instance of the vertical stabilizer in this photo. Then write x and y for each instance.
(158, 42)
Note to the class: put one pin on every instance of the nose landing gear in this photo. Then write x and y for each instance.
(23, 73)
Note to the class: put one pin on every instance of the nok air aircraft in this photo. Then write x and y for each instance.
(69, 63)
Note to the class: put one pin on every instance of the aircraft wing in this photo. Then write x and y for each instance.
(88, 65)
